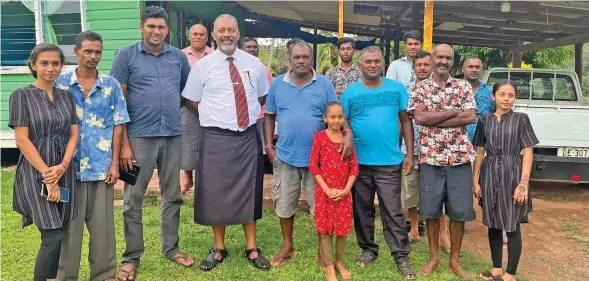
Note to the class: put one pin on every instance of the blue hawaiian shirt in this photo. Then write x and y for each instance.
(485, 105)
(99, 113)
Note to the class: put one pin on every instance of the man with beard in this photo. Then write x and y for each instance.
(97, 97)
(375, 108)
(227, 89)
(152, 74)
(190, 127)
(401, 70)
(297, 101)
(442, 106)
(250, 45)
(341, 76)
(472, 68)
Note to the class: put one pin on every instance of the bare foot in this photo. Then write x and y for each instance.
(458, 270)
(414, 235)
(127, 272)
(508, 277)
(183, 259)
(283, 256)
(330, 273)
(346, 274)
(429, 268)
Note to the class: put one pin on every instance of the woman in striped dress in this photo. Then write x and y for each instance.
(46, 132)
(501, 177)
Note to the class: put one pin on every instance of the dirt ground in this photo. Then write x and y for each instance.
(555, 241)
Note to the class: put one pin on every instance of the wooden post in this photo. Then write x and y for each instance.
(428, 25)
(315, 51)
(340, 26)
(517, 59)
(415, 14)
(397, 38)
(579, 62)
(183, 30)
(387, 52)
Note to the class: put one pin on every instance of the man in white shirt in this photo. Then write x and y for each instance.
(227, 89)
(401, 70)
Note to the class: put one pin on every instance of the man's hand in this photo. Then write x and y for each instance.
(126, 157)
(112, 176)
(421, 107)
(271, 153)
(346, 146)
(408, 165)
(476, 190)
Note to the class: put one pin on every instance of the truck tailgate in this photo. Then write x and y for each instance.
(558, 126)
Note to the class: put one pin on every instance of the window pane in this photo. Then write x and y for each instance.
(544, 83)
(17, 33)
(66, 23)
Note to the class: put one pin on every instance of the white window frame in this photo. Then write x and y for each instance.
(39, 38)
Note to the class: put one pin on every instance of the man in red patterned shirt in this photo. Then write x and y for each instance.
(443, 106)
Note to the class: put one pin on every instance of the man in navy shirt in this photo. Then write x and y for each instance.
(152, 74)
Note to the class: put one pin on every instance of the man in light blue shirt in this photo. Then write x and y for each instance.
(472, 67)
(297, 101)
(375, 107)
(401, 70)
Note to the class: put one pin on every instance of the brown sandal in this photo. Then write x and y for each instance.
(284, 259)
(181, 255)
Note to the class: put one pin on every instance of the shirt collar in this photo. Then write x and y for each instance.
(208, 50)
(237, 55)
(99, 82)
(287, 76)
(483, 85)
(451, 81)
(141, 47)
(354, 67)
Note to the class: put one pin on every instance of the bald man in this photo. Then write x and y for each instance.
(443, 106)
(190, 126)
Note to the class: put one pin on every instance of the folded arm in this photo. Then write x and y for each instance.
(461, 119)
(432, 118)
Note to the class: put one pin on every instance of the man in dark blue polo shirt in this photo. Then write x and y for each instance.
(152, 75)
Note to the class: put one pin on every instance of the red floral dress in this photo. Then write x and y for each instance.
(333, 218)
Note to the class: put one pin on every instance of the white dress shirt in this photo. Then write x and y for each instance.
(209, 84)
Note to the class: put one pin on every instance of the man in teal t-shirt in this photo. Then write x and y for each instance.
(374, 107)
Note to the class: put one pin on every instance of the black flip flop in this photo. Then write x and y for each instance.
(406, 270)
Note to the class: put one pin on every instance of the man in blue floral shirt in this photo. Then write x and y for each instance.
(472, 68)
(101, 108)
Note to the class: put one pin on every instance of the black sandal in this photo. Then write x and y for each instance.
(406, 270)
(210, 261)
(260, 261)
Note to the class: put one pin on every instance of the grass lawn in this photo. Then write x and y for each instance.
(20, 246)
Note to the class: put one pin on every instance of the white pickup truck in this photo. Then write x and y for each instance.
(560, 117)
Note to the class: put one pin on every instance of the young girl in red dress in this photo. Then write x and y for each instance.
(333, 201)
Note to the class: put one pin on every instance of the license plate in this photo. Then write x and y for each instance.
(573, 152)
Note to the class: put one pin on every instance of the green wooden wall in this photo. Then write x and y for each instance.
(116, 21)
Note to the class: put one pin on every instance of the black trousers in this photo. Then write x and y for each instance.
(386, 182)
(514, 248)
(48, 255)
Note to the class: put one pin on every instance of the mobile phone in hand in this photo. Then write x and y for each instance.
(63, 192)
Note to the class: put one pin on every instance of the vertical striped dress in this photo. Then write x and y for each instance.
(500, 173)
(49, 129)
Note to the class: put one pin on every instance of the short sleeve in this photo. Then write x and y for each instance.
(271, 99)
(262, 80)
(194, 85)
(416, 97)
(403, 98)
(120, 115)
(72, 104)
(345, 101)
(120, 68)
(527, 137)
(316, 154)
(19, 111)
(185, 69)
(331, 94)
(468, 100)
(479, 135)
(392, 71)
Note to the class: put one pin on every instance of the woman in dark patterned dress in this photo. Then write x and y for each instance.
(45, 127)
(501, 177)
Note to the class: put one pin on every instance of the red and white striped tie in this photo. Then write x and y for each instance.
(241, 109)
